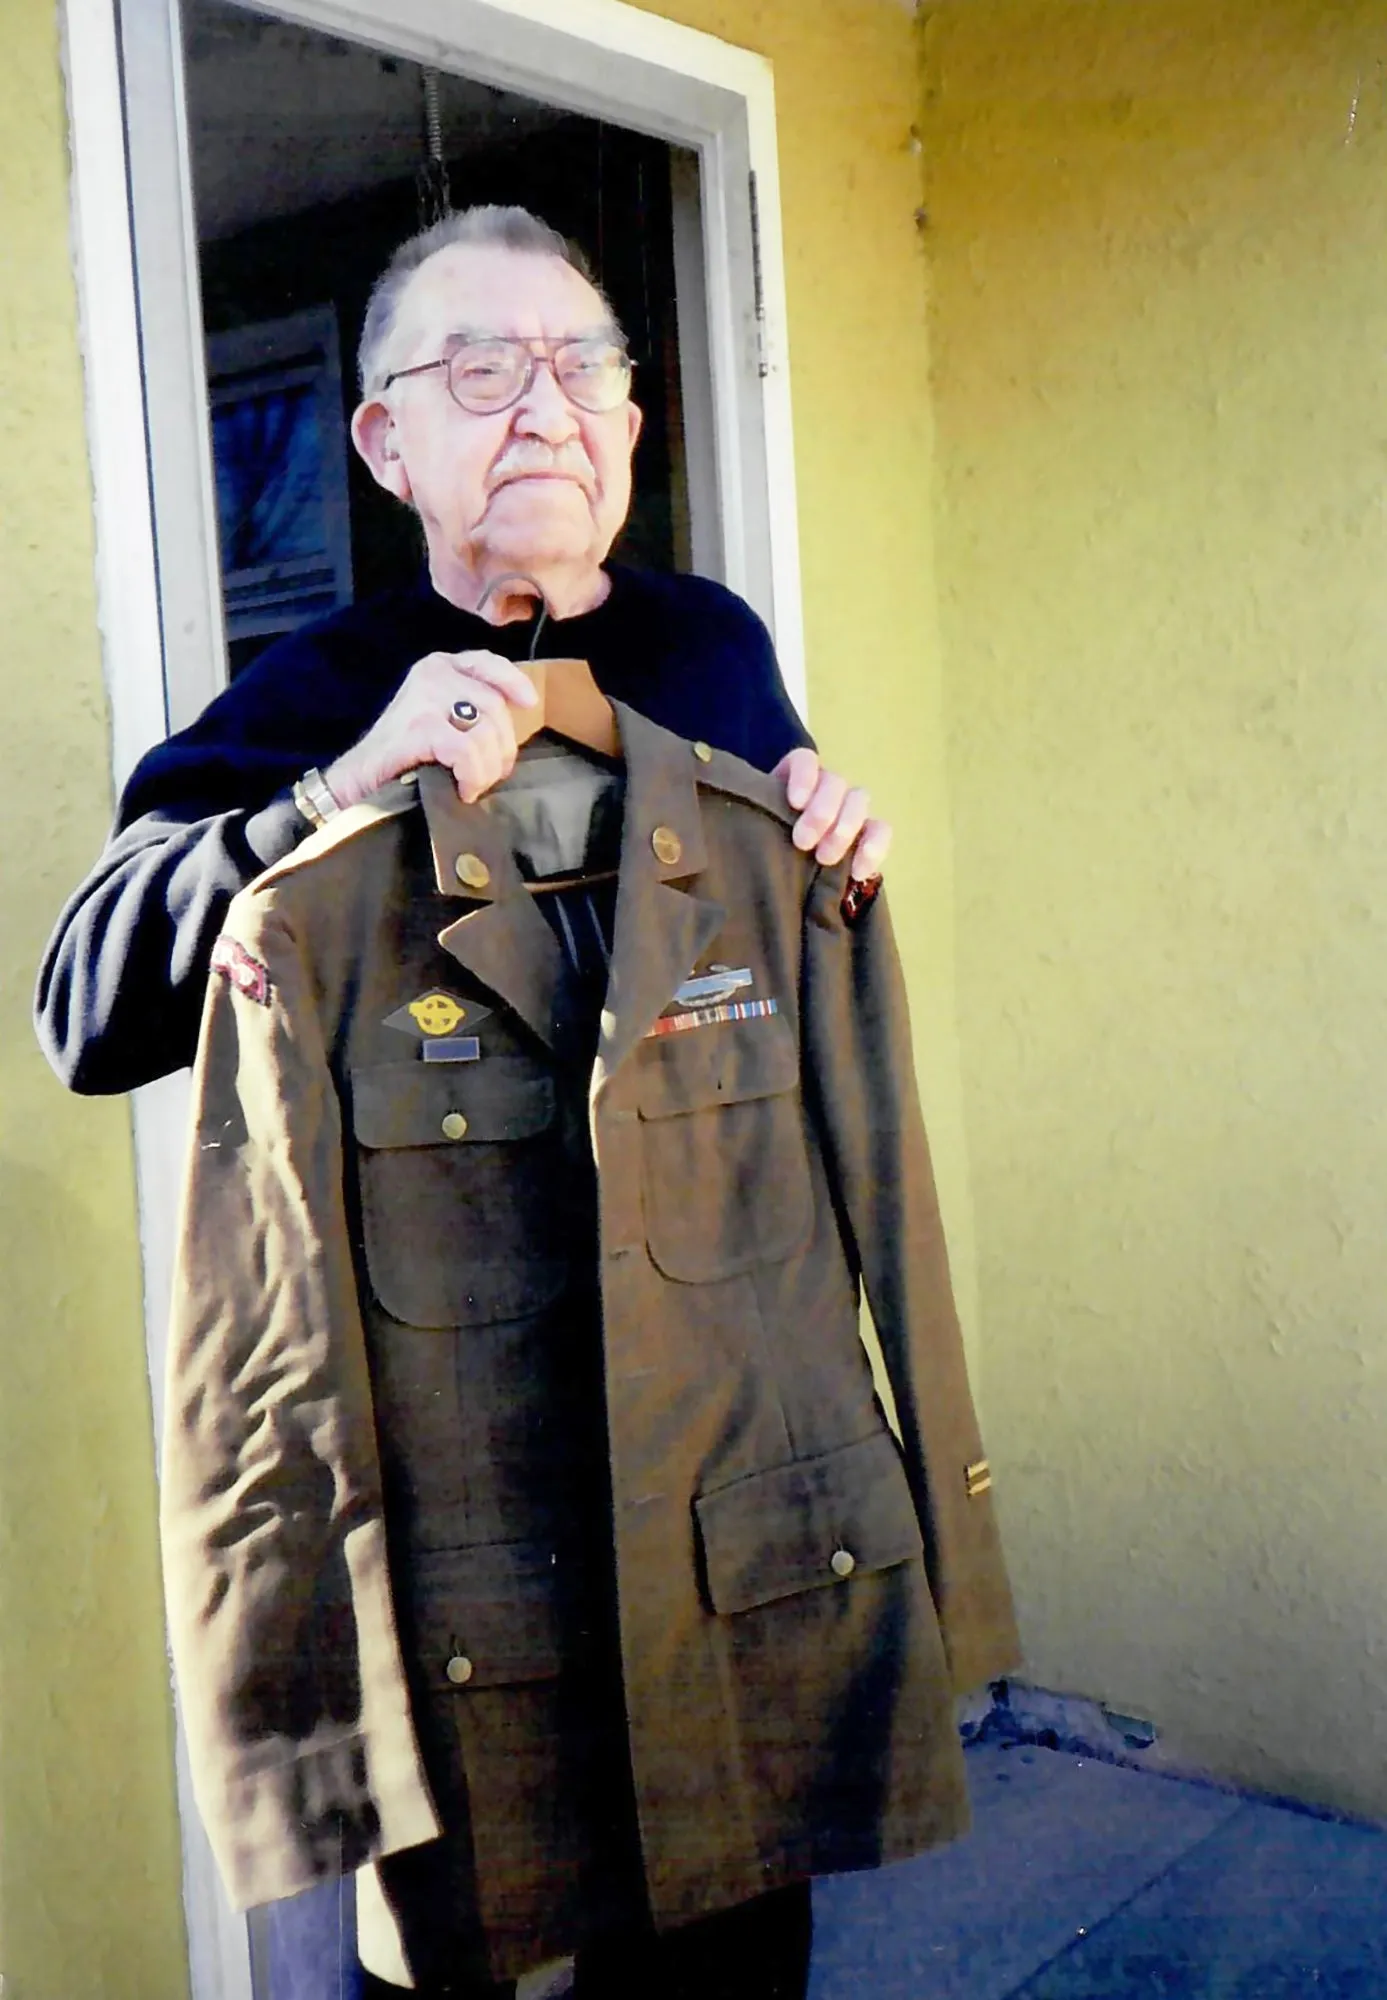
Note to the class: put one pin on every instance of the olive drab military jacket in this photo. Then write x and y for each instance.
(425, 1303)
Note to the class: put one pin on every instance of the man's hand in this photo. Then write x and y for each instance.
(832, 815)
(415, 729)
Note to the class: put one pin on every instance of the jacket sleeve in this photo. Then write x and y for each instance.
(283, 1634)
(859, 1068)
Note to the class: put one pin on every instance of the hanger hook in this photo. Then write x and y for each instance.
(431, 177)
(520, 576)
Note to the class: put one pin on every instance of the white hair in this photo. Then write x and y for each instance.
(489, 225)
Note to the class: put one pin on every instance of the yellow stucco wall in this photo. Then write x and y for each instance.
(89, 1896)
(1159, 309)
(89, 1901)
(847, 98)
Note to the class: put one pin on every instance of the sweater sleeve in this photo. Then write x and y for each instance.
(697, 659)
(858, 1062)
(121, 985)
(770, 723)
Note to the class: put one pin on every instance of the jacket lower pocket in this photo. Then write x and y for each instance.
(809, 1525)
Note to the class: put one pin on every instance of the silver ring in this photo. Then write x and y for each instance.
(464, 715)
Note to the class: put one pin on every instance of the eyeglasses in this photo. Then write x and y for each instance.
(490, 374)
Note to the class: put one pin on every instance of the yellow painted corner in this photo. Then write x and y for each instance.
(89, 1854)
(847, 98)
(1158, 308)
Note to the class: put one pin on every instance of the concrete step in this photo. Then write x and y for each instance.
(1083, 1881)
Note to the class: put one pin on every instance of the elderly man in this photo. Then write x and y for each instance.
(497, 406)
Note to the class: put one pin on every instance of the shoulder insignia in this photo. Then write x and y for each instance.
(240, 969)
(712, 987)
(859, 897)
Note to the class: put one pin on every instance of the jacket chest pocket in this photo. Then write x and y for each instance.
(725, 1174)
(460, 1180)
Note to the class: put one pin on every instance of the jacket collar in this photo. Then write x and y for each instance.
(662, 924)
(502, 939)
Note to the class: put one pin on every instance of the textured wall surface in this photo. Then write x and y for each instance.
(847, 96)
(89, 1897)
(1159, 307)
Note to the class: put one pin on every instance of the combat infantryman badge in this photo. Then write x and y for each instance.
(706, 998)
(710, 988)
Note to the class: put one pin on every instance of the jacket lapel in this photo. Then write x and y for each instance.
(502, 941)
(662, 926)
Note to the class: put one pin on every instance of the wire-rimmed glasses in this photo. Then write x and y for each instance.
(491, 372)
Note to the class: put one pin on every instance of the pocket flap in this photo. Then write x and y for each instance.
(488, 1615)
(733, 1062)
(495, 1098)
(816, 1522)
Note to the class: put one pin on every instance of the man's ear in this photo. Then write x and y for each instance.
(373, 434)
(635, 417)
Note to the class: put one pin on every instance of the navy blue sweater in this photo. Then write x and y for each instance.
(121, 987)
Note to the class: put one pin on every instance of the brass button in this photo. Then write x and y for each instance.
(703, 753)
(842, 1562)
(667, 845)
(459, 1670)
(472, 871)
(455, 1126)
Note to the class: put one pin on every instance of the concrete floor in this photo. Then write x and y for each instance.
(1081, 1881)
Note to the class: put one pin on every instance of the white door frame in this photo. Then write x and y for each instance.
(158, 586)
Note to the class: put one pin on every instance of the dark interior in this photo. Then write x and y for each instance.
(606, 188)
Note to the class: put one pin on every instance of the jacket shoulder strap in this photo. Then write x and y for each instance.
(720, 771)
(388, 803)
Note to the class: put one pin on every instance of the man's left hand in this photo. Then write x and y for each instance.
(832, 815)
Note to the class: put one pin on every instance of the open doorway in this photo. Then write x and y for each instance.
(311, 158)
(140, 251)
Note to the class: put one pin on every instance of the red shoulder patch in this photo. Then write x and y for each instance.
(859, 897)
(237, 967)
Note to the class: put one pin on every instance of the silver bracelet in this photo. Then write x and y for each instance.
(314, 799)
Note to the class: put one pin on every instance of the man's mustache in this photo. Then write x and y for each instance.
(528, 457)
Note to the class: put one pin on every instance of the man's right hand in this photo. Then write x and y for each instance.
(415, 728)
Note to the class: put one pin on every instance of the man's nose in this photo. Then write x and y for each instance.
(544, 410)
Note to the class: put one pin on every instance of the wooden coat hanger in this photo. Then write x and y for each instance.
(570, 702)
